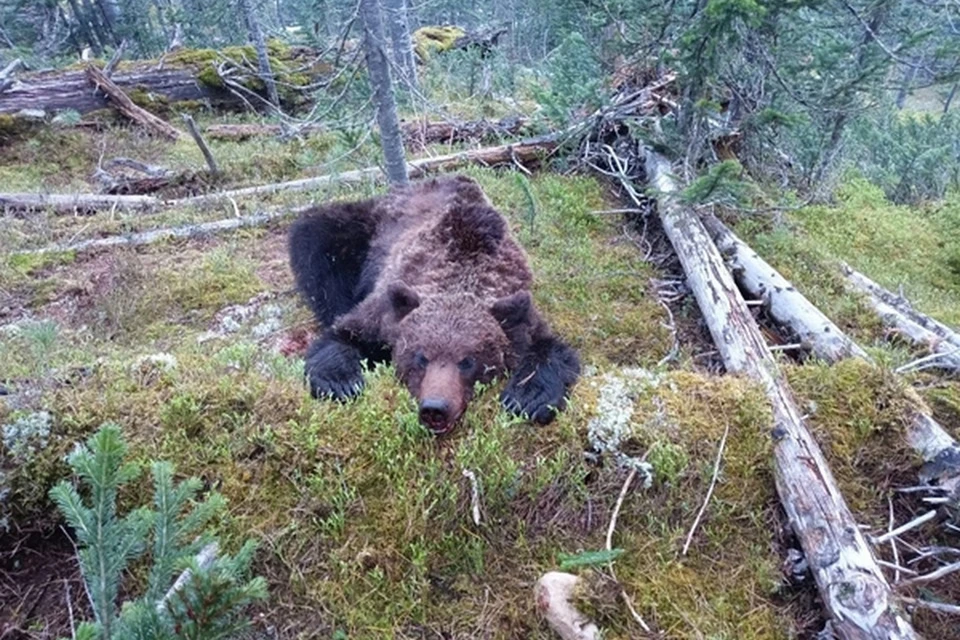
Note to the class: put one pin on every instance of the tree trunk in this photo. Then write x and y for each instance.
(260, 44)
(902, 305)
(379, 72)
(75, 204)
(907, 83)
(403, 57)
(853, 589)
(789, 308)
(84, 27)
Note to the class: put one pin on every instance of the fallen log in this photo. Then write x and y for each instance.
(788, 307)
(520, 152)
(75, 204)
(782, 300)
(125, 105)
(852, 587)
(167, 233)
(902, 307)
(187, 75)
(527, 151)
(419, 132)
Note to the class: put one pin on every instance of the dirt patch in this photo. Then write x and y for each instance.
(39, 584)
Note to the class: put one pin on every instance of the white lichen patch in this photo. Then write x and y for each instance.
(613, 425)
(27, 434)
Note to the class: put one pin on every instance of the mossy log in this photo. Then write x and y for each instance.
(852, 588)
(188, 75)
(789, 308)
(437, 39)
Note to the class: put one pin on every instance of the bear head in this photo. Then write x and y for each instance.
(445, 344)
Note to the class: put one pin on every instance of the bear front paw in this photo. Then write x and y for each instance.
(539, 386)
(333, 370)
(532, 398)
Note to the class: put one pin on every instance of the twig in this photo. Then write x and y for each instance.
(675, 347)
(786, 347)
(896, 567)
(474, 495)
(610, 530)
(934, 606)
(618, 506)
(73, 628)
(910, 366)
(713, 483)
(893, 542)
(933, 575)
(913, 524)
(195, 134)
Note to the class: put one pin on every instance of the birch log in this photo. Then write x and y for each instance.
(927, 330)
(78, 203)
(789, 307)
(852, 587)
(785, 304)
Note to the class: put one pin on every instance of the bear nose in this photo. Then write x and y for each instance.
(435, 414)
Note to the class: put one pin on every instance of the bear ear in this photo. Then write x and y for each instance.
(403, 299)
(512, 310)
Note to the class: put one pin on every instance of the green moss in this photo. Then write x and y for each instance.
(148, 100)
(30, 263)
(435, 39)
(858, 413)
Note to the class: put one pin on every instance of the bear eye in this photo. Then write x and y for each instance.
(467, 364)
(420, 360)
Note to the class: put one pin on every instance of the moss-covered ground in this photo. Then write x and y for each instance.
(364, 519)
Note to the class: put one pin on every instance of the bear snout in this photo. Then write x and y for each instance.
(441, 398)
(435, 415)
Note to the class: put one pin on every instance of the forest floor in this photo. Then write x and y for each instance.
(194, 347)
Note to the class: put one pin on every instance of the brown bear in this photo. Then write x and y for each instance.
(431, 277)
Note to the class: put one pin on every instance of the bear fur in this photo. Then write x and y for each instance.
(430, 277)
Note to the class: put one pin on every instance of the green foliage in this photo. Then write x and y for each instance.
(588, 559)
(206, 605)
(911, 157)
(575, 80)
(723, 184)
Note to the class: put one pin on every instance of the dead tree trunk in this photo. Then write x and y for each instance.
(901, 306)
(183, 76)
(789, 308)
(853, 589)
(379, 72)
(404, 59)
(263, 59)
(125, 105)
